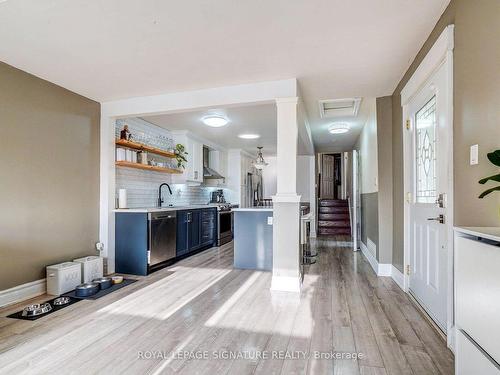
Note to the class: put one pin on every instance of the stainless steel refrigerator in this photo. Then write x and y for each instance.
(254, 189)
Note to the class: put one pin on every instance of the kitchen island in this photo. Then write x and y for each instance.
(253, 238)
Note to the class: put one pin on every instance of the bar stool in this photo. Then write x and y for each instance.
(308, 256)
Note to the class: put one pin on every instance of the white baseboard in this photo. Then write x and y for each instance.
(369, 257)
(379, 269)
(22, 292)
(398, 277)
(286, 284)
(384, 269)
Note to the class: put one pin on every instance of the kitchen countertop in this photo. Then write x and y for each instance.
(256, 209)
(166, 208)
(490, 233)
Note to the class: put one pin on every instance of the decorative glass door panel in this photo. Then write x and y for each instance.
(425, 153)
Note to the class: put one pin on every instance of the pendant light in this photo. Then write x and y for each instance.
(259, 163)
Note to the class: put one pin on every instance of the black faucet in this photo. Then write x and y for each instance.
(160, 199)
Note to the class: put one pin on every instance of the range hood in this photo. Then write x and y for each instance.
(209, 173)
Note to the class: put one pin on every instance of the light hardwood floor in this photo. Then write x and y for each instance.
(202, 306)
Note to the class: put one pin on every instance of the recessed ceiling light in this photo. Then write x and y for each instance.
(249, 136)
(215, 121)
(340, 128)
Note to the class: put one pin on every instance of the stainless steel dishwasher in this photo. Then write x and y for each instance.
(162, 238)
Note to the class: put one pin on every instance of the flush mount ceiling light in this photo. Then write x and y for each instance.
(248, 136)
(339, 128)
(260, 163)
(215, 121)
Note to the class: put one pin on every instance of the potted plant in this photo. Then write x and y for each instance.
(180, 155)
(494, 158)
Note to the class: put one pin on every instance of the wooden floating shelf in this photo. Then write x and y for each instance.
(128, 164)
(141, 147)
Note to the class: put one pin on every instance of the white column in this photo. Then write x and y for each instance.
(286, 216)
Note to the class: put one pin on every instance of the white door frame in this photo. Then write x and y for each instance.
(355, 201)
(440, 53)
(342, 166)
(345, 160)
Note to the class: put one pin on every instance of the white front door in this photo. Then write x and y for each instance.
(429, 131)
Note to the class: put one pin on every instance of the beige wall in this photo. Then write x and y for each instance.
(368, 166)
(476, 113)
(49, 163)
(367, 147)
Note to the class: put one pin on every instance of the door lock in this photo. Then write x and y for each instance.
(440, 201)
(440, 219)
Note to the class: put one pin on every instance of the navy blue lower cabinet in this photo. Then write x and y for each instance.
(194, 236)
(196, 230)
(208, 227)
(131, 243)
(182, 233)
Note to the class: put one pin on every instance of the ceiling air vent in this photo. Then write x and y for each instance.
(339, 107)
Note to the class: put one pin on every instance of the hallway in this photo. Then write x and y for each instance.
(203, 305)
(383, 323)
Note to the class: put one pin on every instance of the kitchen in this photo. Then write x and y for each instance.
(179, 181)
(177, 190)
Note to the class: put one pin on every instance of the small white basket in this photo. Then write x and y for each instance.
(63, 277)
(92, 267)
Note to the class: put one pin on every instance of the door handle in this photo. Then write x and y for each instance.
(440, 219)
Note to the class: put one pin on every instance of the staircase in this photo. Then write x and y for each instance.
(333, 217)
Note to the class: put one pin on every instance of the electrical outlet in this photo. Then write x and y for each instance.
(474, 154)
(269, 220)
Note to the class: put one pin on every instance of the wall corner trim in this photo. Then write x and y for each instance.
(384, 269)
(22, 292)
(369, 257)
(398, 277)
(380, 269)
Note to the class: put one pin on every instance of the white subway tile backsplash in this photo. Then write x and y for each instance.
(142, 186)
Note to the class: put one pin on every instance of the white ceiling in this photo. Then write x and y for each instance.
(324, 141)
(114, 49)
(256, 119)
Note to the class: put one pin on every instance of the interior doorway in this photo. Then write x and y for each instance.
(331, 176)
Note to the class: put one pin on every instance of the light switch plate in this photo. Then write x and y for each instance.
(269, 220)
(474, 154)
